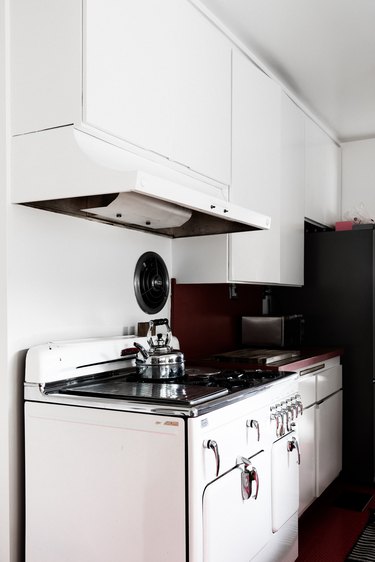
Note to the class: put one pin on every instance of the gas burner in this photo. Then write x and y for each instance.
(232, 379)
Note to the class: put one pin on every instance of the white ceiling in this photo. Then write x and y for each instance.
(322, 50)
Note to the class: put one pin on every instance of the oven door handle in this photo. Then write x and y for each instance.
(293, 444)
(249, 474)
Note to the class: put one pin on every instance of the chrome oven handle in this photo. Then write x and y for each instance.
(255, 478)
(212, 445)
(293, 444)
(254, 424)
(248, 476)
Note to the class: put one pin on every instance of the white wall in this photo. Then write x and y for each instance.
(73, 278)
(8, 490)
(358, 178)
(67, 278)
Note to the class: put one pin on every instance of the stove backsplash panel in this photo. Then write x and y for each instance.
(207, 319)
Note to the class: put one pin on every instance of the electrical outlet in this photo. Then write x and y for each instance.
(233, 291)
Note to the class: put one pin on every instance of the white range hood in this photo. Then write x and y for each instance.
(71, 171)
(156, 204)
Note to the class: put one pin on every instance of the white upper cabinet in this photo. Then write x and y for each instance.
(267, 176)
(202, 95)
(292, 201)
(276, 168)
(157, 75)
(45, 64)
(256, 114)
(323, 176)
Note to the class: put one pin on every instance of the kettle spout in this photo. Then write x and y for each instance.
(142, 350)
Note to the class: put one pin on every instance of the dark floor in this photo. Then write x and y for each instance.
(328, 532)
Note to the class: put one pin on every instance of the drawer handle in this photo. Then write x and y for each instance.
(212, 445)
(311, 369)
(254, 424)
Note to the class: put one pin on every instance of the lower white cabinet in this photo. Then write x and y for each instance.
(320, 429)
(284, 475)
(306, 431)
(328, 441)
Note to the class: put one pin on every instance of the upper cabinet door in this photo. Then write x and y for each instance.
(255, 184)
(268, 173)
(292, 201)
(323, 176)
(157, 75)
(201, 85)
(45, 64)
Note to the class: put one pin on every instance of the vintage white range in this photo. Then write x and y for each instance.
(202, 468)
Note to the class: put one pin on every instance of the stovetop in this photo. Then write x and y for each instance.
(197, 386)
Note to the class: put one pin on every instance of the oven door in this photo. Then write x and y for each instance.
(235, 528)
(285, 461)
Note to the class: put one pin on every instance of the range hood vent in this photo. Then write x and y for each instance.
(120, 188)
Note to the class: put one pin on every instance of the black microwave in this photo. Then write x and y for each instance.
(273, 331)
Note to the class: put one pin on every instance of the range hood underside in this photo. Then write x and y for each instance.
(199, 224)
(68, 170)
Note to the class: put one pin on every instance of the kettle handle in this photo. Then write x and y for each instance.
(159, 322)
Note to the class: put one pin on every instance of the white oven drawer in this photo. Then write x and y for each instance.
(244, 436)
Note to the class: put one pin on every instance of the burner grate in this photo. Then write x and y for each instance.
(235, 379)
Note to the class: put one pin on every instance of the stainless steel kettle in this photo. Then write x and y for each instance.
(161, 361)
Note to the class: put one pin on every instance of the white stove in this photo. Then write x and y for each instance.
(199, 469)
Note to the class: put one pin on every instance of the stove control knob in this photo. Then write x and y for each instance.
(283, 418)
(277, 415)
(291, 414)
(299, 404)
(295, 406)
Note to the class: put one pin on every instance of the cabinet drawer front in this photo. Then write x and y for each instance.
(237, 438)
(328, 382)
(307, 389)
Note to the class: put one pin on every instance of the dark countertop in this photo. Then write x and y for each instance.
(308, 356)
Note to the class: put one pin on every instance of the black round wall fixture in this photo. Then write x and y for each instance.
(151, 282)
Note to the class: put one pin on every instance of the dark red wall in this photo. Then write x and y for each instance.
(206, 320)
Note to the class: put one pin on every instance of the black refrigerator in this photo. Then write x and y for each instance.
(338, 303)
